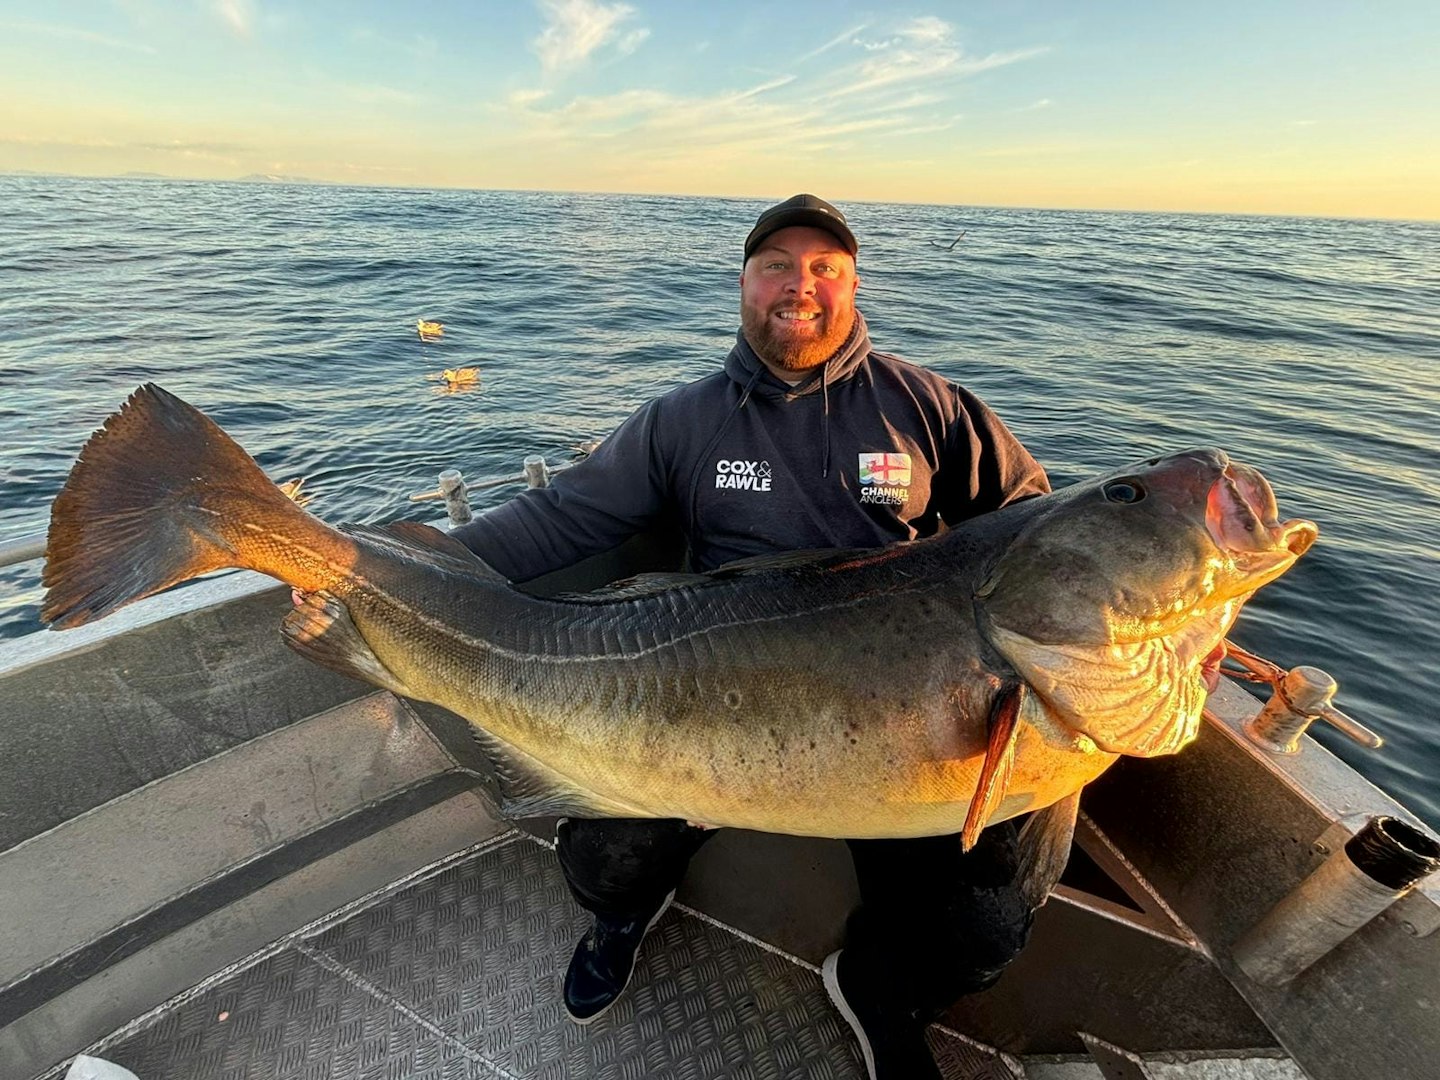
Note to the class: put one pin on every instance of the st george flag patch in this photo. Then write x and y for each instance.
(887, 470)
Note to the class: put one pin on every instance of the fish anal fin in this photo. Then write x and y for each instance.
(321, 630)
(529, 788)
(1004, 728)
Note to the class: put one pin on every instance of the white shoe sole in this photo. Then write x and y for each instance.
(830, 973)
(648, 927)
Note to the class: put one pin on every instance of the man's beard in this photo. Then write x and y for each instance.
(794, 353)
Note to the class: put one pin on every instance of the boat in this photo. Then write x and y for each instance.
(220, 860)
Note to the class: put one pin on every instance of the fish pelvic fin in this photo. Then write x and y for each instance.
(1044, 848)
(529, 788)
(321, 630)
(160, 495)
(1004, 727)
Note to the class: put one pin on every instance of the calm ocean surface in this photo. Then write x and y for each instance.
(1309, 348)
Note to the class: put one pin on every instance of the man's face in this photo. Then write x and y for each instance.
(797, 298)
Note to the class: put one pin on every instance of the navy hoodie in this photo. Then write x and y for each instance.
(867, 450)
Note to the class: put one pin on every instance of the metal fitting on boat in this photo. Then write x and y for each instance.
(537, 473)
(1374, 868)
(457, 497)
(1302, 696)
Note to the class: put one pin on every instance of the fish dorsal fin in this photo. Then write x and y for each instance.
(1004, 730)
(810, 558)
(640, 585)
(819, 559)
(320, 629)
(425, 542)
(529, 788)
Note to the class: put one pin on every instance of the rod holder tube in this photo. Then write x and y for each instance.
(457, 496)
(1375, 867)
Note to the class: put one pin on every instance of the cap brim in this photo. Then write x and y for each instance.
(806, 216)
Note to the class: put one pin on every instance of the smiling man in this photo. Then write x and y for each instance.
(808, 438)
(797, 298)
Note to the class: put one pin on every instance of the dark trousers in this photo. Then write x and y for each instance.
(935, 923)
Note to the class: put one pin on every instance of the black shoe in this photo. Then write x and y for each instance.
(603, 963)
(893, 1045)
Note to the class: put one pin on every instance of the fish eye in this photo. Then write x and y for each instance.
(1123, 491)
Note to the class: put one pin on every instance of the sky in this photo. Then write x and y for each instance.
(1266, 106)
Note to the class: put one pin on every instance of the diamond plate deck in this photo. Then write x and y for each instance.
(456, 977)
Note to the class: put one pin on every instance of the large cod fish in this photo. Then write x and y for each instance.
(920, 689)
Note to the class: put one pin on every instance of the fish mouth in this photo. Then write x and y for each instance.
(1243, 521)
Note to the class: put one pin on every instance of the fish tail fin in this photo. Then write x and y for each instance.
(160, 495)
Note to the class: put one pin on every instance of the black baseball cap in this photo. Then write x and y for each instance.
(808, 210)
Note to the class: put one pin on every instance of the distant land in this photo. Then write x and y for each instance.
(276, 178)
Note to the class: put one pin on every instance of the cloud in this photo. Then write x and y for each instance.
(418, 46)
(1037, 150)
(238, 15)
(578, 28)
(193, 149)
(70, 144)
(838, 39)
(921, 50)
(376, 94)
(521, 99)
(210, 151)
(764, 88)
(1043, 103)
(927, 29)
(354, 169)
(904, 84)
(926, 129)
(73, 34)
(656, 126)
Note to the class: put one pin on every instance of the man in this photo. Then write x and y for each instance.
(808, 439)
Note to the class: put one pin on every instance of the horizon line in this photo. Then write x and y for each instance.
(282, 180)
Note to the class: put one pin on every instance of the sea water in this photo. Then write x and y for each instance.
(1309, 348)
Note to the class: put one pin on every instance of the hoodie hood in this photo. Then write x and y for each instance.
(748, 371)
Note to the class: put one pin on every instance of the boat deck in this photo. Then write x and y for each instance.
(189, 804)
(455, 975)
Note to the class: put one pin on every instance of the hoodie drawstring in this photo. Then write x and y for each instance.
(825, 418)
(704, 454)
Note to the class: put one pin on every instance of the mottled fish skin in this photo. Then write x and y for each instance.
(846, 694)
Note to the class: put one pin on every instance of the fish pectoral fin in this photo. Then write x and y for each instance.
(321, 630)
(530, 788)
(1004, 729)
(1044, 848)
